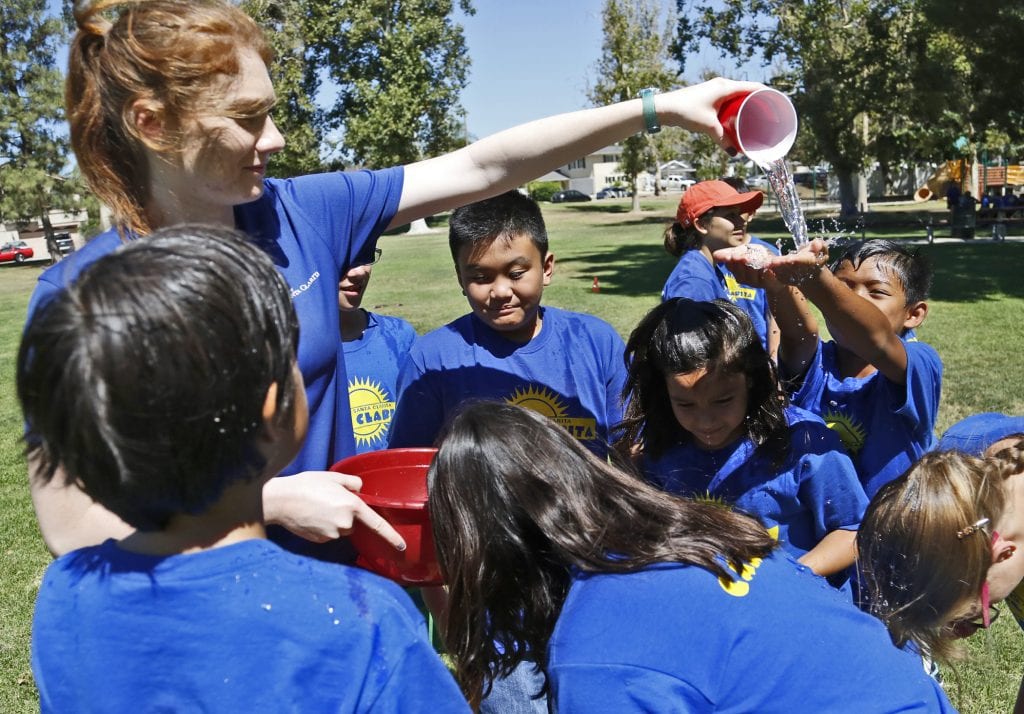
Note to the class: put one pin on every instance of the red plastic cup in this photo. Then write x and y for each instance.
(761, 124)
(395, 485)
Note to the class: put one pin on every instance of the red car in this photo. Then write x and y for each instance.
(19, 252)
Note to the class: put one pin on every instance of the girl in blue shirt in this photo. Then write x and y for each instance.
(705, 416)
(629, 599)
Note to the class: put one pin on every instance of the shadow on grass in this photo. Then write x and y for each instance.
(631, 270)
(969, 272)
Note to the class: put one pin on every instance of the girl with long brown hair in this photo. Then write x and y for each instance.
(626, 598)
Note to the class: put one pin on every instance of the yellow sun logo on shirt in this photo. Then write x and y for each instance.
(851, 433)
(541, 400)
(372, 410)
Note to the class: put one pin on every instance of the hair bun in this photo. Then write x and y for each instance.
(88, 17)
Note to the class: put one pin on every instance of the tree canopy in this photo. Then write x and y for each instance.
(33, 145)
(634, 56)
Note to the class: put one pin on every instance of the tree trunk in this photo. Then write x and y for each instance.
(865, 172)
(847, 196)
(635, 206)
(419, 226)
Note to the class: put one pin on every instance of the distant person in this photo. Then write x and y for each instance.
(169, 108)
(375, 348)
(953, 196)
(873, 383)
(166, 380)
(633, 600)
(565, 365)
(705, 418)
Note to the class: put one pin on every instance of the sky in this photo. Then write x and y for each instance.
(534, 58)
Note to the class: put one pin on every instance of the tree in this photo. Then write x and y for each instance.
(34, 149)
(634, 55)
(398, 68)
(849, 65)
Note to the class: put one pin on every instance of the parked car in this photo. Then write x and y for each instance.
(612, 192)
(18, 251)
(64, 243)
(677, 182)
(570, 195)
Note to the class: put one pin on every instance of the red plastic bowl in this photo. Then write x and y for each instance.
(395, 485)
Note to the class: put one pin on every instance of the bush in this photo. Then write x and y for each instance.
(543, 190)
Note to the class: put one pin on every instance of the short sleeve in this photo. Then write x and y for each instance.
(923, 388)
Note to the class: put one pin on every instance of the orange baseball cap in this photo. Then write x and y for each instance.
(702, 197)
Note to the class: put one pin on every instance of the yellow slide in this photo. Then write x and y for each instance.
(935, 186)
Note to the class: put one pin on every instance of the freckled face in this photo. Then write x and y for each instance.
(711, 406)
(504, 281)
(226, 152)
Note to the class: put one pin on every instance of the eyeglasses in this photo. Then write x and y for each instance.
(377, 253)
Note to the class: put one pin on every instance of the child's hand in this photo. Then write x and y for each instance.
(798, 267)
(321, 506)
(748, 263)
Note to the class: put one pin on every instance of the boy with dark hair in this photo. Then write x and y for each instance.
(874, 383)
(164, 382)
(565, 365)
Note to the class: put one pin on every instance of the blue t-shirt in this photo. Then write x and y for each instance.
(884, 426)
(372, 363)
(673, 638)
(312, 227)
(244, 627)
(572, 372)
(753, 301)
(815, 491)
(695, 277)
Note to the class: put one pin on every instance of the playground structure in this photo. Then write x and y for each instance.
(972, 176)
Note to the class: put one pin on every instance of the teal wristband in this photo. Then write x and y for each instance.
(650, 115)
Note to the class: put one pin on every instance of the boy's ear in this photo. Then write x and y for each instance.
(270, 407)
(549, 268)
(916, 313)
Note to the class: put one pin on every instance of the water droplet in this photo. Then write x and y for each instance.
(337, 622)
(266, 606)
(330, 609)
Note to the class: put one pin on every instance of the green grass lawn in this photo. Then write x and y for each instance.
(974, 322)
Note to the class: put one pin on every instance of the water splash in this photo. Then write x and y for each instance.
(781, 180)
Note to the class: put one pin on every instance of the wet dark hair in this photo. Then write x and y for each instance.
(517, 504)
(681, 336)
(504, 216)
(913, 269)
(146, 379)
